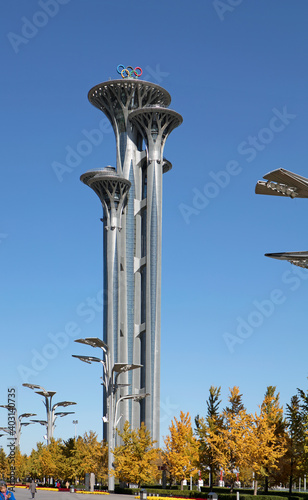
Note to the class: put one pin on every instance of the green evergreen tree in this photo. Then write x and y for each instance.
(212, 422)
(296, 435)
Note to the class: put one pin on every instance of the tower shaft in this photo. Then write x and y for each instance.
(141, 123)
(154, 124)
(112, 190)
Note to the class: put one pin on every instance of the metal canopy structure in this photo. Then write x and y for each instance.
(110, 382)
(281, 182)
(49, 423)
(299, 259)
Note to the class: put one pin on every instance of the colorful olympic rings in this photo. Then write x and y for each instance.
(129, 72)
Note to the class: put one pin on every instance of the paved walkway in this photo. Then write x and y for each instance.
(24, 494)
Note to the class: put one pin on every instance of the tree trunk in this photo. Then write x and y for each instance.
(266, 485)
(291, 477)
(255, 488)
(232, 486)
(290, 484)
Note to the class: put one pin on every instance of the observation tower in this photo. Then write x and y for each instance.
(131, 197)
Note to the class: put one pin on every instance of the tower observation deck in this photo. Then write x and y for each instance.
(132, 202)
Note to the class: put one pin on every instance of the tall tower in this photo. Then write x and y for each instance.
(141, 122)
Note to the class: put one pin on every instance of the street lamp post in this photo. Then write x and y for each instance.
(18, 422)
(134, 397)
(5, 429)
(50, 409)
(110, 382)
(282, 182)
(75, 422)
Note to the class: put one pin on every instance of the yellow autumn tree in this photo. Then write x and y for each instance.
(268, 441)
(34, 462)
(21, 465)
(4, 465)
(229, 441)
(68, 450)
(51, 459)
(90, 456)
(46, 461)
(181, 455)
(249, 442)
(136, 460)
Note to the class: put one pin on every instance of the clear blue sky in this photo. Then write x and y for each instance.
(237, 72)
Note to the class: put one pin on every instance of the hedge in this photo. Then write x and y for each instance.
(203, 494)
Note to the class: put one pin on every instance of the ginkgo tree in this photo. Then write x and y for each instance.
(181, 455)
(246, 441)
(91, 456)
(21, 465)
(228, 441)
(4, 464)
(136, 459)
(50, 459)
(70, 459)
(267, 441)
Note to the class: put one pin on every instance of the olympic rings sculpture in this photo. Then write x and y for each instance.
(129, 72)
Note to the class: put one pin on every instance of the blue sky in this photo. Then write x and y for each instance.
(237, 73)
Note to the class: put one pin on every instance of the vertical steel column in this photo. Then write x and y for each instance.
(155, 124)
(112, 190)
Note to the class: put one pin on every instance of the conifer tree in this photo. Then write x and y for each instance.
(235, 400)
(211, 424)
(228, 442)
(296, 438)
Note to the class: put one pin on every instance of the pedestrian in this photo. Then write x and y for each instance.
(32, 488)
(5, 494)
(67, 484)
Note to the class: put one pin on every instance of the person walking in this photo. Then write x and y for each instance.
(5, 494)
(32, 488)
